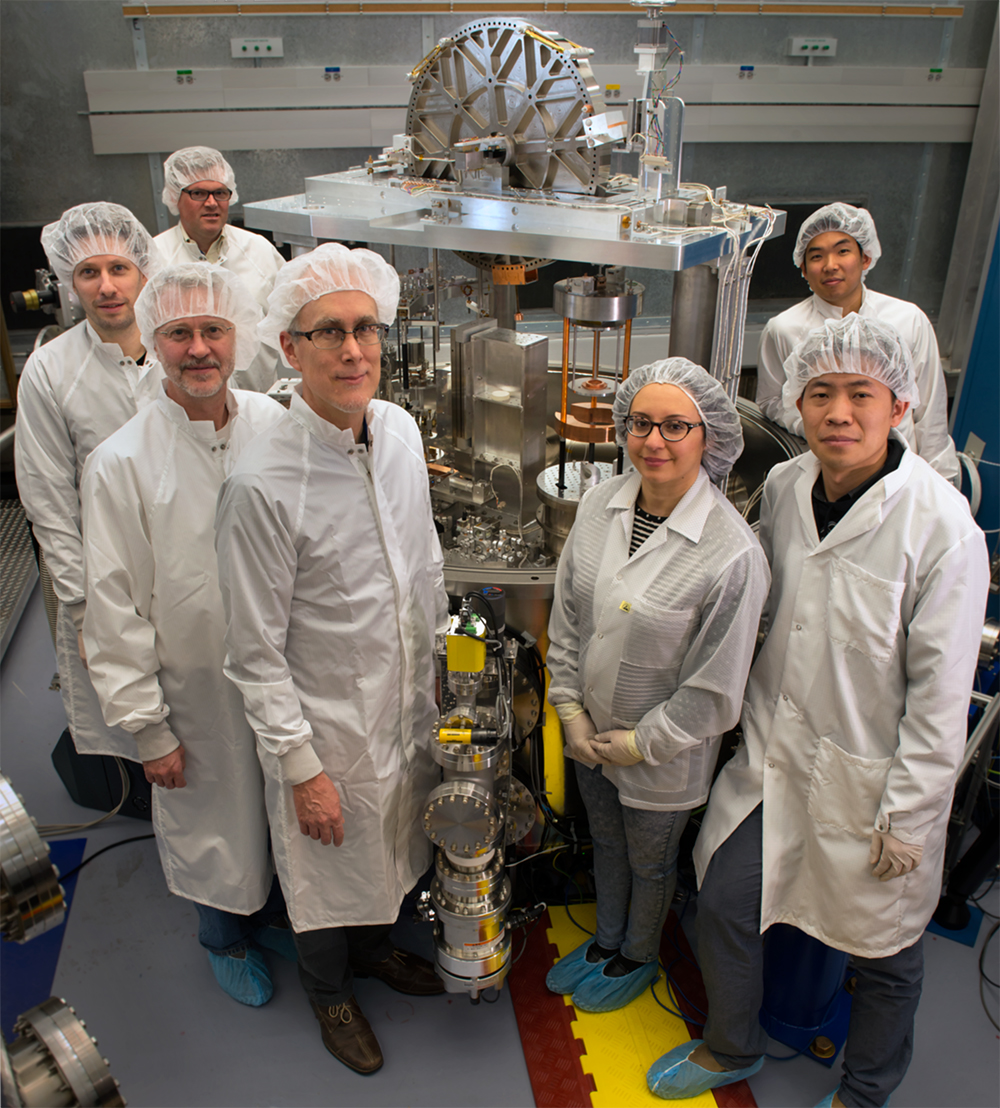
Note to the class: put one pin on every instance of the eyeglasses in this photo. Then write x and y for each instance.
(199, 196)
(182, 336)
(671, 430)
(331, 338)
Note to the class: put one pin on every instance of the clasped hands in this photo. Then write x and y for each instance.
(609, 748)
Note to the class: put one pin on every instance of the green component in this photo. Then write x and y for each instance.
(184, 72)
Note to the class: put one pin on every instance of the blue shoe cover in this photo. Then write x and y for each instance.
(674, 1077)
(568, 972)
(245, 979)
(279, 939)
(598, 993)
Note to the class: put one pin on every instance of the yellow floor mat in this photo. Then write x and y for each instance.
(621, 1046)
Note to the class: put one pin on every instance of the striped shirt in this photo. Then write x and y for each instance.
(643, 526)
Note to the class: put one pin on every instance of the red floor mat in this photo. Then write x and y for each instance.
(551, 1052)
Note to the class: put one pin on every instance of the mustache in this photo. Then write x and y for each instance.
(191, 363)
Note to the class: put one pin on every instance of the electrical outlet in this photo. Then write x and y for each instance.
(812, 48)
(257, 47)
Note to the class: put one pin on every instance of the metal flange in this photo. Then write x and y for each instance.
(463, 818)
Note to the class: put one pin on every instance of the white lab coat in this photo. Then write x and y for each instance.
(331, 574)
(855, 711)
(155, 637)
(925, 425)
(660, 641)
(74, 392)
(256, 262)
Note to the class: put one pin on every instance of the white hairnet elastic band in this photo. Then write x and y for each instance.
(89, 230)
(856, 222)
(723, 429)
(329, 268)
(851, 345)
(193, 164)
(200, 289)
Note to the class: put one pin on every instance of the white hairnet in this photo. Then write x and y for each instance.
(723, 430)
(198, 288)
(856, 222)
(186, 167)
(851, 345)
(89, 230)
(331, 267)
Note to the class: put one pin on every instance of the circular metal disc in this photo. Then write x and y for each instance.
(462, 817)
(504, 77)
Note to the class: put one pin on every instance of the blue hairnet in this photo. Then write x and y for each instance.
(723, 429)
(851, 345)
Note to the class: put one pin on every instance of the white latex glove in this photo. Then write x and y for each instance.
(578, 733)
(617, 748)
(891, 857)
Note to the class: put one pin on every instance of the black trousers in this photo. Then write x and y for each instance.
(325, 959)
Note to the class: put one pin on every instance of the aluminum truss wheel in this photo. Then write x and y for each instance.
(529, 90)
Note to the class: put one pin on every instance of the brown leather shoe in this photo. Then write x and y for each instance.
(405, 972)
(348, 1036)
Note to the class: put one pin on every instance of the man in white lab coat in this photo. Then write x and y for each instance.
(331, 574)
(198, 187)
(836, 248)
(833, 813)
(154, 629)
(74, 391)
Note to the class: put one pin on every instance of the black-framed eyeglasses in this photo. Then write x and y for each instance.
(671, 430)
(199, 196)
(330, 338)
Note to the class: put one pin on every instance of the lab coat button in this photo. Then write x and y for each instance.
(600, 636)
(770, 765)
(783, 697)
(798, 627)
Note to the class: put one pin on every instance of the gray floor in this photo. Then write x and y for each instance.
(132, 967)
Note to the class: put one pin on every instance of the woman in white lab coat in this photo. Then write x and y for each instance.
(658, 599)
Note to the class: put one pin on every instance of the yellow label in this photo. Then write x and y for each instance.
(454, 735)
(625, 606)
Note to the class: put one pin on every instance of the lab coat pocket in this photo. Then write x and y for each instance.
(863, 611)
(652, 656)
(657, 637)
(845, 790)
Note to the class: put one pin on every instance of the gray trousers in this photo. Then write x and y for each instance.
(731, 952)
(325, 959)
(635, 866)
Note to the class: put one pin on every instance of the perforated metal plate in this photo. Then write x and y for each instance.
(18, 572)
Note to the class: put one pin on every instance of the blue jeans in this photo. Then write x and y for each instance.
(731, 952)
(635, 857)
(227, 932)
